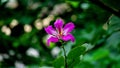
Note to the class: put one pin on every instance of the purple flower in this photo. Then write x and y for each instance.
(60, 32)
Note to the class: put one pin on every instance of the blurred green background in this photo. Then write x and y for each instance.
(23, 39)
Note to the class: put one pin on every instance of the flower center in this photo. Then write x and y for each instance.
(60, 33)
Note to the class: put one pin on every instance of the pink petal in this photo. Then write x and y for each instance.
(52, 39)
(59, 24)
(68, 28)
(68, 37)
(50, 30)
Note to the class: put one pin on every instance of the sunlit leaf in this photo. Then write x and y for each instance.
(75, 4)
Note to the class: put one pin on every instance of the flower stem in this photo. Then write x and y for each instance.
(65, 57)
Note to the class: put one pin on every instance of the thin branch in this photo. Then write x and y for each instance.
(106, 7)
(65, 57)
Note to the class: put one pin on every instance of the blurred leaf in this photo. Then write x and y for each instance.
(3, 2)
(75, 4)
(117, 65)
(100, 53)
(26, 19)
(84, 65)
(16, 44)
(1, 23)
(114, 27)
(114, 40)
(76, 52)
(112, 3)
(88, 46)
(59, 62)
(114, 23)
(90, 34)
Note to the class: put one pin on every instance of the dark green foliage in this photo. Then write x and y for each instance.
(59, 62)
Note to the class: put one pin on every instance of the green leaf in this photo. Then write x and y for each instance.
(59, 62)
(114, 40)
(73, 62)
(84, 65)
(116, 65)
(75, 4)
(73, 57)
(114, 30)
(76, 52)
(100, 53)
(114, 23)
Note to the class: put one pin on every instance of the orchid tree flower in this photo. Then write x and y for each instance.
(58, 32)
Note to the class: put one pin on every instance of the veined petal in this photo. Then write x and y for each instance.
(68, 27)
(68, 37)
(59, 24)
(52, 39)
(50, 30)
